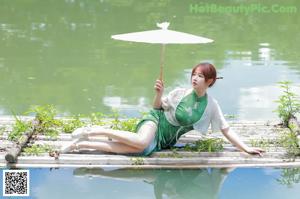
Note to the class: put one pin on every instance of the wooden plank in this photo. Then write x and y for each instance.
(125, 160)
(264, 165)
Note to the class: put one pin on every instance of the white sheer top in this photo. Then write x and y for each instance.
(212, 115)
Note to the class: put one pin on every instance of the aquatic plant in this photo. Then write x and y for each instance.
(19, 129)
(2, 130)
(137, 161)
(230, 116)
(124, 124)
(68, 126)
(174, 154)
(288, 103)
(45, 122)
(266, 143)
(289, 176)
(98, 118)
(290, 143)
(37, 149)
(206, 145)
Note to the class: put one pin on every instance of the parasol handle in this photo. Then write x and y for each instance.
(162, 61)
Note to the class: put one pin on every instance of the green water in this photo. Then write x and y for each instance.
(61, 53)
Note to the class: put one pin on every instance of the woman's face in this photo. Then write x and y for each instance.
(198, 79)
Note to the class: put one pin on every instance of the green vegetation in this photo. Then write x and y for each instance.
(37, 149)
(265, 143)
(289, 176)
(230, 116)
(46, 124)
(2, 130)
(174, 154)
(125, 125)
(290, 142)
(206, 145)
(69, 126)
(97, 118)
(288, 103)
(288, 106)
(19, 129)
(137, 161)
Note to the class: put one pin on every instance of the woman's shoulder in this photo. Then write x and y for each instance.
(211, 98)
(212, 102)
(179, 90)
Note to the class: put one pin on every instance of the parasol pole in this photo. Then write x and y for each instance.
(162, 60)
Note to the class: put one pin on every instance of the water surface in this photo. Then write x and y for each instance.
(246, 183)
(61, 53)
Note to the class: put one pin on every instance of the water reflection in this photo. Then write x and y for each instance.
(289, 177)
(251, 88)
(69, 49)
(202, 183)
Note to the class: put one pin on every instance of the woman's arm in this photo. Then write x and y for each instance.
(159, 89)
(235, 140)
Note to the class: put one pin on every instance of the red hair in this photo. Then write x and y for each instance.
(208, 70)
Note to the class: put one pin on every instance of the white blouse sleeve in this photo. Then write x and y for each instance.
(169, 100)
(218, 121)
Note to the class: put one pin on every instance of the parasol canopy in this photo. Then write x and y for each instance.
(162, 36)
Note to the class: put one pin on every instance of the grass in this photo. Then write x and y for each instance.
(206, 145)
(37, 149)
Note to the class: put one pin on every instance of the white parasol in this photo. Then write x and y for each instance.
(162, 36)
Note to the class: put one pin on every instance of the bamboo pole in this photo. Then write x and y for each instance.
(162, 61)
(12, 155)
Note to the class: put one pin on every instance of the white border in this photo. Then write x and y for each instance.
(16, 170)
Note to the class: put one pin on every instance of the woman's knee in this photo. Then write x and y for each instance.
(146, 134)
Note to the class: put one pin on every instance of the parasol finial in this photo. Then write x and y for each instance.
(163, 25)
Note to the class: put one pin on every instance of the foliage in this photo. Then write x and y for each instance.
(206, 145)
(137, 161)
(288, 103)
(97, 118)
(290, 142)
(265, 143)
(116, 122)
(2, 130)
(173, 154)
(129, 124)
(122, 124)
(37, 149)
(230, 116)
(289, 176)
(70, 125)
(46, 123)
(19, 128)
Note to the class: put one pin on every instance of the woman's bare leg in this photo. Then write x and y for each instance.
(108, 146)
(139, 140)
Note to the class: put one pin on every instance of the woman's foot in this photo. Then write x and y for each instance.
(85, 132)
(70, 146)
(81, 132)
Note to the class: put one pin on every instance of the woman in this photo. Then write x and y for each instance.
(179, 112)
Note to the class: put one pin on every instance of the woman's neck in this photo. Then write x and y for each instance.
(199, 92)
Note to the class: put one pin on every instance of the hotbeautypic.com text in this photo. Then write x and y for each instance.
(211, 8)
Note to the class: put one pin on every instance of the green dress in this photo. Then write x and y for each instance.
(189, 110)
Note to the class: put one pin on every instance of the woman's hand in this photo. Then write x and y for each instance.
(235, 140)
(159, 87)
(254, 151)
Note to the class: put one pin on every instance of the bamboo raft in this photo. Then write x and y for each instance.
(247, 130)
